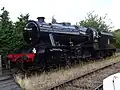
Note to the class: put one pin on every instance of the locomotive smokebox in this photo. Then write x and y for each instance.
(41, 19)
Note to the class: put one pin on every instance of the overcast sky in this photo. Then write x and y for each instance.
(63, 10)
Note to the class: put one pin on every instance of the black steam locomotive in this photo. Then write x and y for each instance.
(62, 41)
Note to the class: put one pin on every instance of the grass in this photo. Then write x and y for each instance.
(48, 79)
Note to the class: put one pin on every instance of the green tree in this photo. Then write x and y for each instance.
(96, 21)
(11, 34)
(116, 34)
(6, 32)
(19, 27)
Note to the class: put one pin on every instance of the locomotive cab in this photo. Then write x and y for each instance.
(93, 34)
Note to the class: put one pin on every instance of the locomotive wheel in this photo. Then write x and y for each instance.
(104, 54)
(111, 53)
(22, 66)
(41, 66)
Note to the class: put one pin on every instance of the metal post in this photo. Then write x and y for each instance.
(0, 65)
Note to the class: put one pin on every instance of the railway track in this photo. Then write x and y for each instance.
(7, 81)
(83, 82)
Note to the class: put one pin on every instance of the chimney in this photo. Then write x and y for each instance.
(41, 19)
